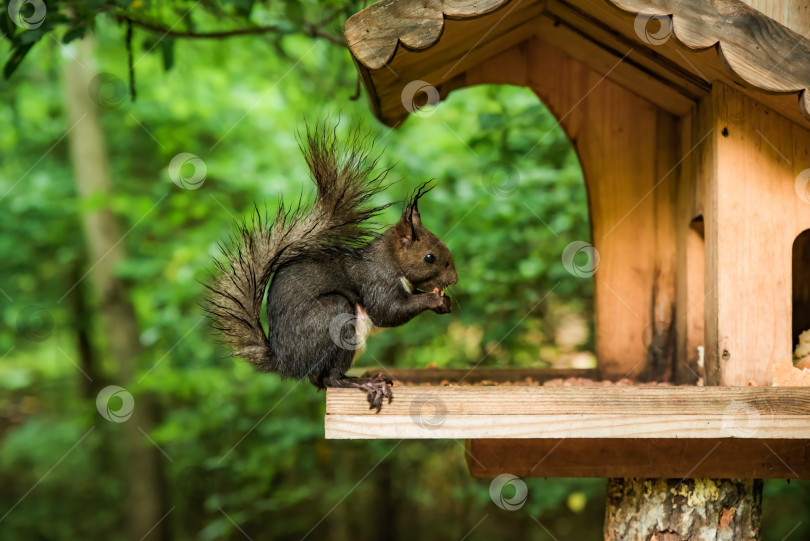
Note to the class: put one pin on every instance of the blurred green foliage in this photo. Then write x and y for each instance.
(244, 453)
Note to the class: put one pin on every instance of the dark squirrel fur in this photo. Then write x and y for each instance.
(333, 276)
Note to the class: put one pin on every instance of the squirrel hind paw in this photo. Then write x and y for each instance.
(377, 390)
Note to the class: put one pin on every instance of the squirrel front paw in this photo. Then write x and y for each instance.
(443, 305)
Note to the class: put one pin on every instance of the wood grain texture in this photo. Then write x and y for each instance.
(628, 151)
(561, 426)
(573, 412)
(691, 458)
(689, 281)
(374, 33)
(761, 51)
(755, 217)
(642, 82)
(450, 57)
(722, 39)
(631, 154)
(627, 401)
(795, 14)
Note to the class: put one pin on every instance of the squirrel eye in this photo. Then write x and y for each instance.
(430, 258)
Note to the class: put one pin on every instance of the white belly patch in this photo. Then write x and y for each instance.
(363, 328)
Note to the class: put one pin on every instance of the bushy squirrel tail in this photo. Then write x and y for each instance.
(338, 219)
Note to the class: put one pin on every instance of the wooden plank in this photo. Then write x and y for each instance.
(694, 311)
(477, 375)
(584, 401)
(690, 275)
(660, 336)
(759, 49)
(374, 33)
(597, 22)
(755, 48)
(705, 63)
(756, 216)
(588, 21)
(726, 41)
(692, 458)
(451, 56)
(794, 14)
(563, 426)
(608, 60)
(573, 412)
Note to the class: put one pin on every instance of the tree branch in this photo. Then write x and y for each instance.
(309, 29)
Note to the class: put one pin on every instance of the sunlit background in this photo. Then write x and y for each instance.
(239, 454)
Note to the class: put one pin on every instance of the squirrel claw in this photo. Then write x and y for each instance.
(378, 388)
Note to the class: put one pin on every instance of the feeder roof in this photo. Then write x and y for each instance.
(667, 51)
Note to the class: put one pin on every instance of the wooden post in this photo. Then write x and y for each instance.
(676, 510)
(753, 157)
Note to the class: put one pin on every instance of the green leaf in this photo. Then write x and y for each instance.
(489, 121)
(167, 52)
(6, 26)
(30, 36)
(244, 7)
(77, 32)
(149, 43)
(17, 56)
(294, 12)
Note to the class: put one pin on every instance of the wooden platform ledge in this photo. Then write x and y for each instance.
(596, 431)
(573, 412)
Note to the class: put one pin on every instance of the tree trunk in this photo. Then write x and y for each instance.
(691, 509)
(90, 376)
(144, 503)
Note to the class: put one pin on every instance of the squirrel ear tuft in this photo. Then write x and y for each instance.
(411, 219)
(411, 213)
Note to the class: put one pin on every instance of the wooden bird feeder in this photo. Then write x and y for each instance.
(691, 120)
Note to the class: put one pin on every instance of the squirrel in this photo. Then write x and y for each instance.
(332, 277)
